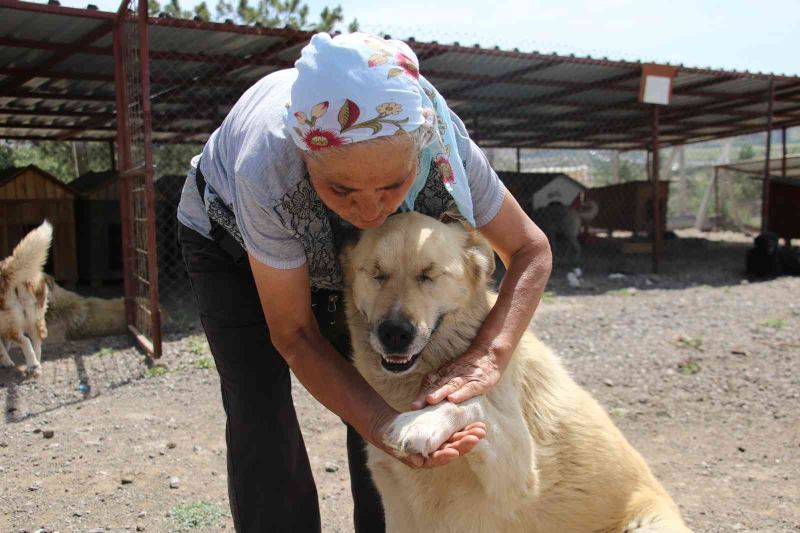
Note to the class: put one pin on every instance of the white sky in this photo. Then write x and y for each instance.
(731, 34)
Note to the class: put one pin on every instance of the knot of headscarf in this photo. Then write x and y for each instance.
(357, 87)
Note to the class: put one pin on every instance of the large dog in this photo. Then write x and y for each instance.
(23, 298)
(552, 461)
(562, 225)
(72, 316)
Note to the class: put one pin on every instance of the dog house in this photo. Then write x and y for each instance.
(99, 229)
(637, 197)
(784, 207)
(29, 195)
(534, 190)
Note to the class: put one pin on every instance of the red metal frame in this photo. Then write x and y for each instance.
(767, 156)
(136, 180)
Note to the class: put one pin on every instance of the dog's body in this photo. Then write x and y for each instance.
(23, 298)
(72, 316)
(562, 225)
(552, 461)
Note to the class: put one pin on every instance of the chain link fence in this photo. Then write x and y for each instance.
(589, 187)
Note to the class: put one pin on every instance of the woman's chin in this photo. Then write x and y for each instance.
(368, 224)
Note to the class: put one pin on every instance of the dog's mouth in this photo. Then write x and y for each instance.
(399, 363)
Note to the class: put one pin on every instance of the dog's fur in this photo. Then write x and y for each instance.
(72, 316)
(562, 225)
(23, 298)
(552, 460)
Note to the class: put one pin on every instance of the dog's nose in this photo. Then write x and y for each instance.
(396, 335)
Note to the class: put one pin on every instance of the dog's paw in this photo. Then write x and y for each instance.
(654, 525)
(420, 432)
(34, 371)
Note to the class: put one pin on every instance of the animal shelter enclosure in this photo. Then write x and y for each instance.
(585, 137)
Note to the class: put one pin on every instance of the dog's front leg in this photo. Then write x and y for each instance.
(5, 359)
(30, 355)
(425, 430)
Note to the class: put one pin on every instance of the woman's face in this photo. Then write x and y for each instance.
(365, 182)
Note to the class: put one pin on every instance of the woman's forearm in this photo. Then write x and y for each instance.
(336, 383)
(520, 292)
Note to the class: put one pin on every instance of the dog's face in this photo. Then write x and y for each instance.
(406, 277)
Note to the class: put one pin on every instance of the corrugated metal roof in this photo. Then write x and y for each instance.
(57, 69)
(777, 168)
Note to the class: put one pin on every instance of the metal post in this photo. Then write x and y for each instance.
(716, 198)
(657, 229)
(519, 166)
(152, 251)
(123, 145)
(765, 188)
(783, 160)
(111, 157)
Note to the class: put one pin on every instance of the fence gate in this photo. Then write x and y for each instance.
(137, 199)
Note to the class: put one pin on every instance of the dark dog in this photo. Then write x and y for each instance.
(766, 259)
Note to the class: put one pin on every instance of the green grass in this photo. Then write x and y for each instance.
(105, 351)
(774, 323)
(548, 297)
(689, 367)
(684, 341)
(155, 371)
(196, 515)
(197, 345)
(624, 291)
(204, 363)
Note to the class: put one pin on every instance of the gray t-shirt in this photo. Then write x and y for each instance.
(252, 167)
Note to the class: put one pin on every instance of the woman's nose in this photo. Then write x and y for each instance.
(369, 207)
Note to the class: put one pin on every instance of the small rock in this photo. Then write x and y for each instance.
(741, 449)
(139, 528)
(126, 480)
(171, 445)
(141, 515)
(77, 514)
(174, 482)
(196, 448)
(331, 467)
(608, 382)
(37, 430)
(48, 433)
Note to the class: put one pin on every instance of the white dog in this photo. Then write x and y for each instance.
(552, 461)
(23, 298)
(562, 225)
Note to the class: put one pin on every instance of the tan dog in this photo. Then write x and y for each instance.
(23, 298)
(72, 316)
(552, 460)
(562, 225)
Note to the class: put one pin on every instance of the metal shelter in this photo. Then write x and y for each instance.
(135, 81)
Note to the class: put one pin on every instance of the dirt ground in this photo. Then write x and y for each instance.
(699, 369)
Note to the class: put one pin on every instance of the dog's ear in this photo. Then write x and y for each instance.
(345, 257)
(453, 216)
(479, 257)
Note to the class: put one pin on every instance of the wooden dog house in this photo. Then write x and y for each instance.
(628, 206)
(29, 195)
(99, 229)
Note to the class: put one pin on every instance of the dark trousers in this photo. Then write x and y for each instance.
(270, 484)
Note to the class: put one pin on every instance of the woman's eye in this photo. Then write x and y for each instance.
(340, 192)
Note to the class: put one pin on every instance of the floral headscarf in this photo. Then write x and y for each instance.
(356, 87)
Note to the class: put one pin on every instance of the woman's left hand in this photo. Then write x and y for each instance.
(472, 374)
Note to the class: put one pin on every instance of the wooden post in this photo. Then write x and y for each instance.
(519, 166)
(783, 159)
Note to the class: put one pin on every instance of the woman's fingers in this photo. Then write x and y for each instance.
(436, 390)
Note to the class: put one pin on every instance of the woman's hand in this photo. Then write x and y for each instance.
(472, 374)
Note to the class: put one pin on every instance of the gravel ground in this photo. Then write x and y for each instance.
(702, 378)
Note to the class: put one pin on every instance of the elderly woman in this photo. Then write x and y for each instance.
(307, 155)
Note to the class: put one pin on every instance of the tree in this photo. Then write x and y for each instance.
(6, 156)
(746, 152)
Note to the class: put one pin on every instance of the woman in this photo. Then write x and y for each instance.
(348, 137)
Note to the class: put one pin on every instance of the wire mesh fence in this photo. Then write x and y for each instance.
(566, 135)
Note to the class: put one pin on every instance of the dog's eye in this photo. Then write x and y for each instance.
(424, 278)
(380, 277)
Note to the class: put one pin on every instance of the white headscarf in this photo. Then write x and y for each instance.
(356, 87)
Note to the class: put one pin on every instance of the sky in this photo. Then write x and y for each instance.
(759, 36)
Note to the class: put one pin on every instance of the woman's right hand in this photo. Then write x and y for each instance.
(459, 443)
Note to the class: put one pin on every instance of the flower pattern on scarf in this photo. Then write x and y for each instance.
(384, 52)
(318, 139)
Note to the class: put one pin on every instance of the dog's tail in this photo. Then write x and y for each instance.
(589, 209)
(29, 256)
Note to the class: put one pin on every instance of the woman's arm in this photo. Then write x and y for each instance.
(525, 251)
(286, 300)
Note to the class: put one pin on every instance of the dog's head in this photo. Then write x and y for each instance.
(406, 278)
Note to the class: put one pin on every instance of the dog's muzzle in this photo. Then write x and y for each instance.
(396, 337)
